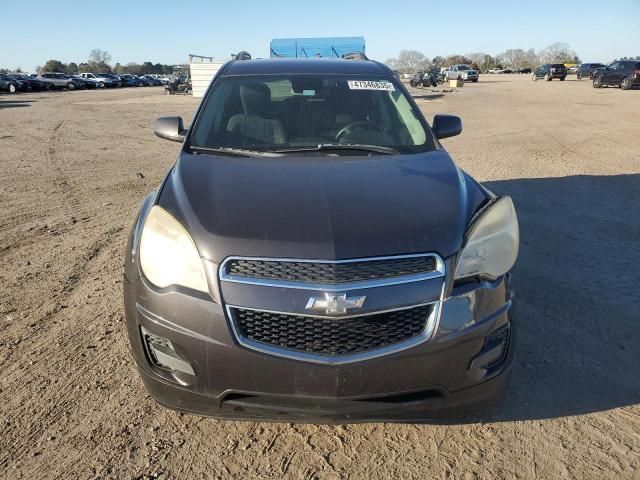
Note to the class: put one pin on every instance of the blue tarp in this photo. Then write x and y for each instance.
(330, 47)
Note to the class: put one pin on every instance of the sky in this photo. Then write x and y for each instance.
(167, 31)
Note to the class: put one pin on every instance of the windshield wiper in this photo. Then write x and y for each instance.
(342, 146)
(236, 152)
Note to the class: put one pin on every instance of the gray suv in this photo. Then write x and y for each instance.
(60, 80)
(315, 254)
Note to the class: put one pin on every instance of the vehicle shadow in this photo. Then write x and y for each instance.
(14, 103)
(577, 284)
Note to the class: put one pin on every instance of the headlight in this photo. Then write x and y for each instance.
(492, 244)
(168, 255)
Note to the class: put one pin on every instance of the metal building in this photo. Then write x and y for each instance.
(330, 47)
(202, 70)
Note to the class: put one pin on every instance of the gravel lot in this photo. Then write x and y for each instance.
(76, 166)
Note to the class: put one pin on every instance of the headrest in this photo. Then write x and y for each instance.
(255, 98)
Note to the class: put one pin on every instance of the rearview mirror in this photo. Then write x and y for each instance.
(446, 126)
(170, 128)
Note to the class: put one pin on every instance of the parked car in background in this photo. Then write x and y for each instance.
(102, 81)
(31, 84)
(155, 82)
(549, 71)
(465, 72)
(61, 81)
(115, 81)
(144, 81)
(624, 74)
(130, 80)
(588, 69)
(523, 70)
(87, 83)
(10, 84)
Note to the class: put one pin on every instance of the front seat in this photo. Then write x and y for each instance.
(252, 125)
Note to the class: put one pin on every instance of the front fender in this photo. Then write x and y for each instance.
(131, 270)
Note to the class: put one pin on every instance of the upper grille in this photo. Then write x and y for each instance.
(331, 273)
(323, 336)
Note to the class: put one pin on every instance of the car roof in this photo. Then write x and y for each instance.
(274, 66)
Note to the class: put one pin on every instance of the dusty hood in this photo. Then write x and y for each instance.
(320, 207)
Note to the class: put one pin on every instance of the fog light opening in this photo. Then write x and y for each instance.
(163, 355)
(494, 350)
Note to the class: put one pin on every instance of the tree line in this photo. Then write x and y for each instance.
(411, 60)
(100, 61)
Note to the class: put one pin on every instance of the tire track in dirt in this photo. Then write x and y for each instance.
(58, 161)
(63, 336)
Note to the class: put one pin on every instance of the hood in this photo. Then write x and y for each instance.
(321, 207)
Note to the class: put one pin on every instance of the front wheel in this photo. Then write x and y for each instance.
(101, 85)
(440, 80)
(12, 88)
(70, 86)
(578, 76)
(547, 77)
(597, 82)
(533, 77)
(562, 79)
(626, 83)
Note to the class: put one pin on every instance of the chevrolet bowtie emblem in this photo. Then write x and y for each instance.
(334, 303)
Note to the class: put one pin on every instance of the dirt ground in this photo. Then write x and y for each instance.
(75, 167)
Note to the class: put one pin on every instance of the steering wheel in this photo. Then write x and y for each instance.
(357, 125)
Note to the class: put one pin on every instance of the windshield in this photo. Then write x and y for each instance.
(272, 113)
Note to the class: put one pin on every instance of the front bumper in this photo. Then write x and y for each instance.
(437, 378)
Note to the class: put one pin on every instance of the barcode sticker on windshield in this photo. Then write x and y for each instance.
(371, 85)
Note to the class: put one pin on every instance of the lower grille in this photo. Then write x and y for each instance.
(322, 336)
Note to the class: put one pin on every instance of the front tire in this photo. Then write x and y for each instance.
(101, 85)
(70, 86)
(626, 83)
(578, 76)
(597, 82)
(547, 77)
(562, 79)
(12, 88)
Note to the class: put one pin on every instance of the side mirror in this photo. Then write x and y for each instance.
(446, 126)
(170, 128)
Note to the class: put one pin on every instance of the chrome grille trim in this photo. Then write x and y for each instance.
(431, 326)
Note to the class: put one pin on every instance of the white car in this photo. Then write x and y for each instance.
(102, 81)
(465, 72)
